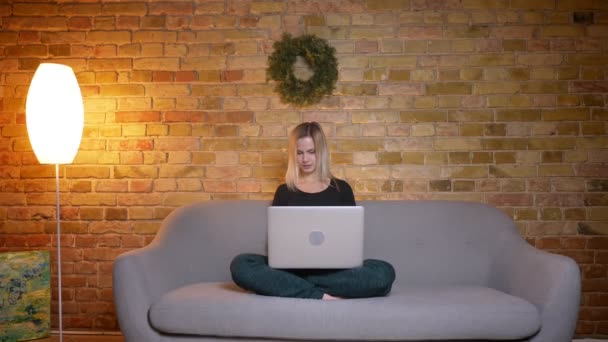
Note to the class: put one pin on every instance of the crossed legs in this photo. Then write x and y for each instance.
(251, 272)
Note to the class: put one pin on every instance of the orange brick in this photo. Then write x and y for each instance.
(219, 186)
(172, 8)
(563, 31)
(467, 31)
(177, 144)
(572, 114)
(26, 51)
(35, 9)
(109, 36)
(510, 199)
(160, 63)
(149, 116)
(537, 4)
(492, 60)
(122, 90)
(421, 32)
(124, 9)
(513, 32)
(138, 199)
(229, 117)
(448, 88)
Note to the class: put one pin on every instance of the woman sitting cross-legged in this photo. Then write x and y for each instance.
(309, 182)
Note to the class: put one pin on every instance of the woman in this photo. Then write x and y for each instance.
(309, 182)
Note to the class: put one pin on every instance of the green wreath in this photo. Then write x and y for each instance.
(320, 59)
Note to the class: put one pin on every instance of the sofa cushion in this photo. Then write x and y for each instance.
(414, 313)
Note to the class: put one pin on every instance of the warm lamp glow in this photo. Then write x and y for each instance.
(54, 114)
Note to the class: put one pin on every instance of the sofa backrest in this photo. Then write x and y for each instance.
(438, 242)
(428, 242)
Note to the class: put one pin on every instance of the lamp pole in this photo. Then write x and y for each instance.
(59, 252)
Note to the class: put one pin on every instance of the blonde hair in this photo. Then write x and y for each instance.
(314, 131)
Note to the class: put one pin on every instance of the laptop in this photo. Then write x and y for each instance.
(315, 237)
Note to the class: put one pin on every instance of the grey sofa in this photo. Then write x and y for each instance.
(463, 273)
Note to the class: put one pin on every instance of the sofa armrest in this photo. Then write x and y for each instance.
(551, 282)
(133, 295)
(195, 243)
(140, 277)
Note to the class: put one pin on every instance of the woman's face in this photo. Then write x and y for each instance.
(305, 155)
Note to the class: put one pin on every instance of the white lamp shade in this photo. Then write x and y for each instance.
(54, 114)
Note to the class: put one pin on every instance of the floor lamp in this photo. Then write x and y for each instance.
(54, 116)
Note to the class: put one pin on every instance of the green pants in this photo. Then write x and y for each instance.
(373, 279)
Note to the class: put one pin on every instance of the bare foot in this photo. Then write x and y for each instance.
(329, 297)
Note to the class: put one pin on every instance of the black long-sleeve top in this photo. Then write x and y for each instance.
(338, 193)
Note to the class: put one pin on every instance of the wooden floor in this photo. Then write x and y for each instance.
(83, 338)
(118, 338)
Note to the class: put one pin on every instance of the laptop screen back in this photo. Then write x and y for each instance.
(315, 237)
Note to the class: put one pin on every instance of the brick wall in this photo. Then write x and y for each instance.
(495, 101)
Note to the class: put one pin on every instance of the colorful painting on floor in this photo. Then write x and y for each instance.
(25, 296)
